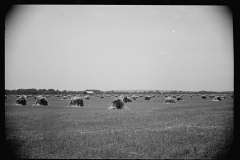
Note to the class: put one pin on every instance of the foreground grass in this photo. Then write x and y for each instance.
(193, 128)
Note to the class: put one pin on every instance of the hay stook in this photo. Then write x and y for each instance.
(76, 102)
(179, 98)
(169, 100)
(216, 98)
(148, 98)
(41, 101)
(22, 100)
(117, 104)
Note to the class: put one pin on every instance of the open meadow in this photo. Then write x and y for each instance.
(191, 129)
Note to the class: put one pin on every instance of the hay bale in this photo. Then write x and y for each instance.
(179, 98)
(126, 99)
(169, 100)
(148, 98)
(204, 97)
(216, 98)
(211, 96)
(76, 101)
(41, 101)
(117, 104)
(21, 100)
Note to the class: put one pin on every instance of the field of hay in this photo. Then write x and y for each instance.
(191, 129)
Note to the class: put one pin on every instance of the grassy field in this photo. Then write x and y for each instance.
(191, 129)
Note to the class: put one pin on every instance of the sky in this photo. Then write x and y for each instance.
(118, 47)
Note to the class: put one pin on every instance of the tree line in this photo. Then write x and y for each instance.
(34, 91)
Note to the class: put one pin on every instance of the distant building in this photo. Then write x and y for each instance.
(88, 92)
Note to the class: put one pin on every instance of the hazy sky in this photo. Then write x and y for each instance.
(78, 47)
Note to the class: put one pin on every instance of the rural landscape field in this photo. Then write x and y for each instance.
(119, 81)
(194, 128)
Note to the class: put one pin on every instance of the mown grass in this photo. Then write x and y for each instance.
(190, 129)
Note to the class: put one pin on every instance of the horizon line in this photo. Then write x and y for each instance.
(128, 90)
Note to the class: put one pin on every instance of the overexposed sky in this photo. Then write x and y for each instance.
(78, 47)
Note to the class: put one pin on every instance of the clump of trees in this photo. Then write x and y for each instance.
(34, 91)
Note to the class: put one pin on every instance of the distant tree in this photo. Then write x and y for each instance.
(7, 92)
(34, 91)
(150, 92)
(42, 91)
(50, 91)
(64, 92)
(57, 92)
(14, 92)
(20, 91)
(157, 92)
